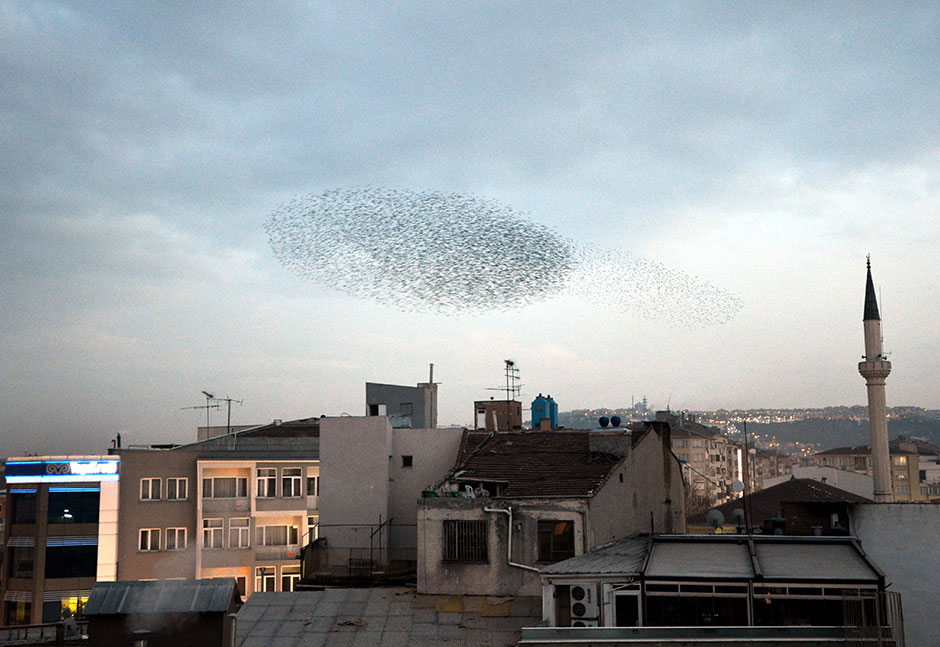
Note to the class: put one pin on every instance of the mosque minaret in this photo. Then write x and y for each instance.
(875, 368)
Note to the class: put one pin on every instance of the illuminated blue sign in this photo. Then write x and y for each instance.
(62, 471)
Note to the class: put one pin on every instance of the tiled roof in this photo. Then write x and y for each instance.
(533, 463)
(765, 504)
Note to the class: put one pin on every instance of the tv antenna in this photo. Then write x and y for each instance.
(228, 401)
(206, 406)
(512, 388)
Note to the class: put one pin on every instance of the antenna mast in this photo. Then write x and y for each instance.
(206, 406)
(512, 389)
(228, 401)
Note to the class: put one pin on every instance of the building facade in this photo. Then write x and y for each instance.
(61, 535)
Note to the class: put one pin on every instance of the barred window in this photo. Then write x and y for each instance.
(465, 541)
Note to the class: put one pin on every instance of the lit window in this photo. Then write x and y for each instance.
(290, 575)
(225, 487)
(265, 578)
(267, 482)
(556, 540)
(900, 460)
(238, 530)
(290, 482)
(176, 538)
(277, 535)
(149, 539)
(212, 533)
(150, 489)
(177, 489)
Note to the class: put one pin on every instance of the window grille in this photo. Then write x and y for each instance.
(465, 541)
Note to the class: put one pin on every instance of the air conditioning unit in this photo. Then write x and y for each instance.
(583, 605)
(587, 622)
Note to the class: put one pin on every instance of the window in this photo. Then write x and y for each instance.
(277, 535)
(150, 489)
(900, 460)
(697, 442)
(238, 532)
(22, 505)
(177, 489)
(212, 533)
(290, 575)
(903, 489)
(682, 442)
(901, 476)
(406, 408)
(698, 457)
(242, 584)
(75, 557)
(465, 541)
(290, 482)
(556, 540)
(73, 505)
(265, 578)
(407, 461)
(377, 410)
(18, 612)
(176, 538)
(21, 561)
(149, 539)
(267, 482)
(313, 486)
(313, 529)
(224, 487)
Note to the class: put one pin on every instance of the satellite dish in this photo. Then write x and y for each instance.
(737, 515)
(715, 519)
(737, 486)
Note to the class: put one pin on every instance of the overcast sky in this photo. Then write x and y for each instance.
(763, 147)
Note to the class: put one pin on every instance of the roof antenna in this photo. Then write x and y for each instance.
(206, 406)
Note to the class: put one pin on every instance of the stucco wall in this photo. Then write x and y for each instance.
(135, 514)
(354, 471)
(902, 540)
(637, 487)
(394, 395)
(496, 576)
(433, 452)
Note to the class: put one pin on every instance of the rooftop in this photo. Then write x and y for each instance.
(382, 616)
(162, 596)
(765, 504)
(533, 463)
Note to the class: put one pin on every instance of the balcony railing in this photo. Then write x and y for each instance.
(46, 632)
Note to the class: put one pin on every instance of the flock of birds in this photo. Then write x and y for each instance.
(453, 253)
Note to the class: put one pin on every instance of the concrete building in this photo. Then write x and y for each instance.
(62, 535)
(516, 502)
(234, 506)
(375, 475)
(875, 368)
(406, 406)
(497, 415)
(903, 464)
(706, 457)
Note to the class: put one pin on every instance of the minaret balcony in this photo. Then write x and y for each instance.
(876, 369)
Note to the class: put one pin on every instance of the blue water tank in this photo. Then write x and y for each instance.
(544, 407)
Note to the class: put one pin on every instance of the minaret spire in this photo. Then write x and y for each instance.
(875, 368)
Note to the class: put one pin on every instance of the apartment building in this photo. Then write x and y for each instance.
(905, 467)
(708, 460)
(236, 506)
(61, 532)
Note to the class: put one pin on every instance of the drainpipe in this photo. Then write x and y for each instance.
(508, 513)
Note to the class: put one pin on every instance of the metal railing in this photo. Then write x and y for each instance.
(873, 618)
(46, 632)
(359, 552)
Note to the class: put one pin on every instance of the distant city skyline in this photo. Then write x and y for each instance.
(761, 149)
